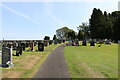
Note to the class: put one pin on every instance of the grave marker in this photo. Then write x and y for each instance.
(84, 43)
(6, 57)
(40, 46)
(92, 43)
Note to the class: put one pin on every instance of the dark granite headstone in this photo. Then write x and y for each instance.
(59, 41)
(50, 42)
(23, 46)
(6, 56)
(63, 41)
(40, 46)
(27, 44)
(14, 46)
(84, 43)
(19, 51)
(92, 43)
(55, 42)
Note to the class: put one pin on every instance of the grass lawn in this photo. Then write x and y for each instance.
(92, 62)
(26, 66)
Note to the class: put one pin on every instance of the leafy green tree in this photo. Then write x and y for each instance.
(84, 30)
(62, 33)
(71, 35)
(80, 35)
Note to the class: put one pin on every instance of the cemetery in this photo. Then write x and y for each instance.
(23, 61)
(89, 51)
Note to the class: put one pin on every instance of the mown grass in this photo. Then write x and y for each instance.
(92, 62)
(26, 66)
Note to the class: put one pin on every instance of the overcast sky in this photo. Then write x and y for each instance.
(34, 20)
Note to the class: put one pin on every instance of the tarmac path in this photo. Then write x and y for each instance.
(54, 66)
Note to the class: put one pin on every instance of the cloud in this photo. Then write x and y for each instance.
(19, 13)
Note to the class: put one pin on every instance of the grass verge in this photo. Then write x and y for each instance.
(92, 62)
(27, 65)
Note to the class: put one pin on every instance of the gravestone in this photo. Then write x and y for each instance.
(107, 42)
(40, 46)
(14, 46)
(46, 43)
(9, 45)
(63, 41)
(76, 43)
(55, 41)
(92, 43)
(18, 49)
(31, 46)
(73, 43)
(27, 44)
(50, 42)
(84, 43)
(59, 41)
(23, 46)
(6, 57)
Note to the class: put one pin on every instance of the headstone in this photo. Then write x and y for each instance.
(27, 44)
(50, 42)
(76, 43)
(55, 41)
(63, 41)
(32, 46)
(84, 43)
(9, 45)
(92, 43)
(40, 46)
(14, 46)
(46, 43)
(107, 42)
(73, 43)
(18, 49)
(23, 46)
(6, 57)
(59, 41)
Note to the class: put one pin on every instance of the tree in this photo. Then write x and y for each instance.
(100, 25)
(46, 38)
(116, 28)
(62, 33)
(84, 30)
(54, 37)
(71, 35)
(116, 25)
(80, 35)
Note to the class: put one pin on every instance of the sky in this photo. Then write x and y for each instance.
(34, 20)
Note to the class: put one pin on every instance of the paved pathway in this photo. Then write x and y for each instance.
(54, 66)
